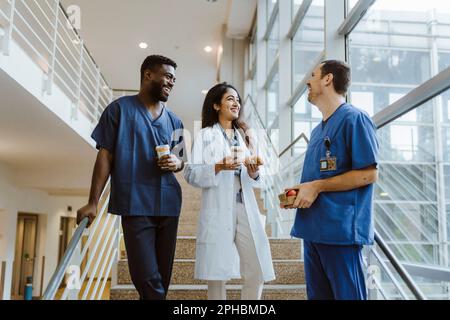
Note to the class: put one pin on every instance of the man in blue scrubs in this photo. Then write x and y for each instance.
(334, 201)
(144, 190)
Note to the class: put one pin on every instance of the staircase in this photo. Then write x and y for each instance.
(289, 283)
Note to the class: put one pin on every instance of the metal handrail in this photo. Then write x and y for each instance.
(259, 119)
(389, 273)
(46, 37)
(2, 278)
(58, 276)
(418, 294)
(293, 143)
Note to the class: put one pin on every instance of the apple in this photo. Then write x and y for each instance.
(291, 193)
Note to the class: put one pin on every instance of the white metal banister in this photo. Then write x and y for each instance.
(2, 278)
(90, 239)
(41, 29)
(9, 28)
(103, 255)
(105, 240)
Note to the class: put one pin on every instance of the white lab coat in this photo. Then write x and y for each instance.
(216, 254)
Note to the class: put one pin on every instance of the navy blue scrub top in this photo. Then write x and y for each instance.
(138, 186)
(340, 218)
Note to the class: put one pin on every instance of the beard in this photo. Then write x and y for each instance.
(156, 91)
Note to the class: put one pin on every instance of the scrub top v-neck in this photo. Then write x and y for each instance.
(129, 132)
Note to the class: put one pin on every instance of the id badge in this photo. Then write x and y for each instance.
(328, 164)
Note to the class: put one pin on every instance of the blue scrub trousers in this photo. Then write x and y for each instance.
(334, 272)
(150, 243)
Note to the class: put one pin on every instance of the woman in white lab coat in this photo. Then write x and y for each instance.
(231, 238)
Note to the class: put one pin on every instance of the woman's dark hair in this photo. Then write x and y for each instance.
(210, 116)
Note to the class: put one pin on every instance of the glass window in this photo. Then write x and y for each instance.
(444, 60)
(305, 118)
(392, 37)
(406, 207)
(295, 6)
(308, 42)
(270, 5)
(273, 44)
(363, 100)
(351, 4)
(253, 48)
(409, 138)
(274, 137)
(272, 101)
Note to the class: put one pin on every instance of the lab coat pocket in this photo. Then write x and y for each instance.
(207, 226)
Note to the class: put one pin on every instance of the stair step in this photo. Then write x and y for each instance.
(187, 229)
(286, 272)
(282, 249)
(199, 292)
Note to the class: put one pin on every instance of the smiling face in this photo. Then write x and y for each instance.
(160, 82)
(230, 105)
(315, 85)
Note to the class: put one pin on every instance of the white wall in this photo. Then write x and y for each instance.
(14, 200)
(232, 63)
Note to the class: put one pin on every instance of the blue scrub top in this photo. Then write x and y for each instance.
(340, 218)
(138, 186)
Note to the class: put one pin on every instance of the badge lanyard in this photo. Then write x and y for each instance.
(328, 163)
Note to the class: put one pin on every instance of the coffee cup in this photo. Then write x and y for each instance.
(238, 154)
(162, 150)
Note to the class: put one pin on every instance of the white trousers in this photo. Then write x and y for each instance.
(249, 264)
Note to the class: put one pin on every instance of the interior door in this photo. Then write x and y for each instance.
(66, 229)
(25, 253)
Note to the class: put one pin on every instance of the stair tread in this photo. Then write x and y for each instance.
(228, 286)
(293, 261)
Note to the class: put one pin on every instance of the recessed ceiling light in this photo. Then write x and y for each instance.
(208, 49)
(143, 45)
(205, 92)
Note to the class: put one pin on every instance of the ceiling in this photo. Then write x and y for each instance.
(34, 137)
(35, 143)
(179, 29)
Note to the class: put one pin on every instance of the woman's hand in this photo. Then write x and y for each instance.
(253, 163)
(227, 163)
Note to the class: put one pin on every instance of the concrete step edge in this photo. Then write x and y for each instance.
(176, 287)
(293, 261)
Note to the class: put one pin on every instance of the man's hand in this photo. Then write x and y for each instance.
(89, 211)
(306, 196)
(170, 163)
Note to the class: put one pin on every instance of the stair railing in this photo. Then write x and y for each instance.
(88, 266)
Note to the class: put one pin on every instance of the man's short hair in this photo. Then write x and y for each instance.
(341, 74)
(154, 61)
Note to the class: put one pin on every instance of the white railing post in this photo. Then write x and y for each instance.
(7, 37)
(111, 96)
(97, 93)
(51, 72)
(77, 102)
(118, 256)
